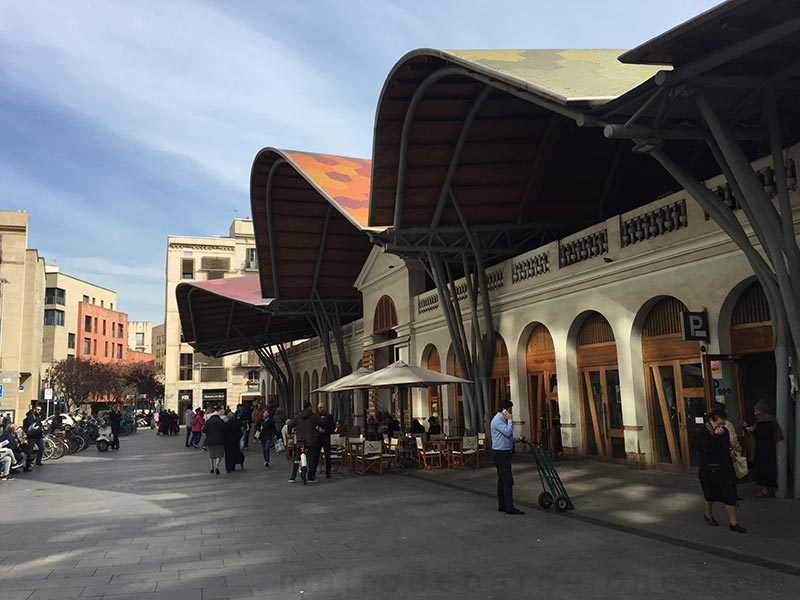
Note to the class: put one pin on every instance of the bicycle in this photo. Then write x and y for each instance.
(301, 460)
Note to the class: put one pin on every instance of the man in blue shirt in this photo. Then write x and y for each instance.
(503, 441)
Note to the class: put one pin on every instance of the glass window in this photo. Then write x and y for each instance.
(87, 324)
(187, 268)
(87, 346)
(54, 296)
(71, 341)
(139, 339)
(120, 332)
(86, 299)
(119, 351)
(104, 326)
(53, 316)
(94, 347)
(106, 350)
(185, 373)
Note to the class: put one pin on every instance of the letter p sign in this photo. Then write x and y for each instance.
(695, 326)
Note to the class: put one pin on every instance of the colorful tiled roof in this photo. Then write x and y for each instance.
(345, 181)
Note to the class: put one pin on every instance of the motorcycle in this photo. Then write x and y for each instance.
(104, 436)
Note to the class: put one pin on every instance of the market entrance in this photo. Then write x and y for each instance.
(540, 361)
(499, 386)
(601, 398)
(675, 389)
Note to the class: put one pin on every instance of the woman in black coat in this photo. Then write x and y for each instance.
(233, 435)
(767, 433)
(716, 474)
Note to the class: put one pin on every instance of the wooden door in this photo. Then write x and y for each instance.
(543, 409)
(678, 406)
(602, 409)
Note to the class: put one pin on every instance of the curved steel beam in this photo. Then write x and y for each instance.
(268, 202)
(455, 159)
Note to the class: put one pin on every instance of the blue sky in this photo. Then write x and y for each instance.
(124, 122)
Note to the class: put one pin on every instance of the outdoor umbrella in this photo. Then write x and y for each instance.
(403, 376)
(344, 383)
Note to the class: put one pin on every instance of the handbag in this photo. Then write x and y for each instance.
(257, 435)
(279, 445)
(740, 466)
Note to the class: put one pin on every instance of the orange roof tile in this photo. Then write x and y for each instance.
(344, 180)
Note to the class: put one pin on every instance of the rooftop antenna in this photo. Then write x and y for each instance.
(235, 213)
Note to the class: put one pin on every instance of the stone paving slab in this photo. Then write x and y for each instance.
(149, 522)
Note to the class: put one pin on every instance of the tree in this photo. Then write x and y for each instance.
(143, 379)
(72, 379)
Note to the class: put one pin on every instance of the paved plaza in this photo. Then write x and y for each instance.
(150, 522)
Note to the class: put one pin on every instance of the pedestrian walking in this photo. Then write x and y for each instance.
(188, 419)
(115, 420)
(233, 438)
(503, 440)
(716, 474)
(304, 425)
(324, 427)
(197, 426)
(265, 432)
(766, 434)
(32, 425)
(214, 428)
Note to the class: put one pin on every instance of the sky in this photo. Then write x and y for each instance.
(124, 122)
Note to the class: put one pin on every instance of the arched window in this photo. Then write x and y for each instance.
(385, 316)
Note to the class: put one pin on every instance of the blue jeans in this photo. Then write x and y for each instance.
(195, 438)
(35, 445)
(266, 442)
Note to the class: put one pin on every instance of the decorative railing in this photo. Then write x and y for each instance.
(532, 266)
(766, 176)
(428, 302)
(494, 279)
(589, 246)
(654, 223)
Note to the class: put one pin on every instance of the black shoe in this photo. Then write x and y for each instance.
(312, 480)
(501, 510)
(27, 469)
(39, 464)
(711, 521)
(211, 471)
(327, 476)
(515, 511)
(216, 471)
(737, 528)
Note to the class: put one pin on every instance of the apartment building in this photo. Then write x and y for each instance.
(159, 347)
(192, 378)
(140, 336)
(79, 319)
(22, 283)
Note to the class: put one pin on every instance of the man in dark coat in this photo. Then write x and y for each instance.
(32, 425)
(325, 425)
(233, 435)
(115, 420)
(304, 425)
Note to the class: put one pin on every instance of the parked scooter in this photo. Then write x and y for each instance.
(104, 435)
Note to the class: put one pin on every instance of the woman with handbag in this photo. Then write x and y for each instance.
(716, 472)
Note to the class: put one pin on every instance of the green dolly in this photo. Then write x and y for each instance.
(548, 475)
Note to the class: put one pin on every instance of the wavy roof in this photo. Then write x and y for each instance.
(344, 180)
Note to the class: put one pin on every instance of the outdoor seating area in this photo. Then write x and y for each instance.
(394, 454)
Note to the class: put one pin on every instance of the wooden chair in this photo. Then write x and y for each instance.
(370, 458)
(391, 453)
(338, 447)
(469, 453)
(352, 448)
(427, 456)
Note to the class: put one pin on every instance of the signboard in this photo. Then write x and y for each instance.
(1, 390)
(695, 326)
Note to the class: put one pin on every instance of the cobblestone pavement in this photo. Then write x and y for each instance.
(149, 522)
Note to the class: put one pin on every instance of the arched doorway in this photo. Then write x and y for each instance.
(675, 387)
(433, 363)
(540, 362)
(306, 388)
(314, 385)
(601, 399)
(753, 374)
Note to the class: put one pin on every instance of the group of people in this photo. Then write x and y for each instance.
(313, 432)
(719, 447)
(21, 448)
(166, 422)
